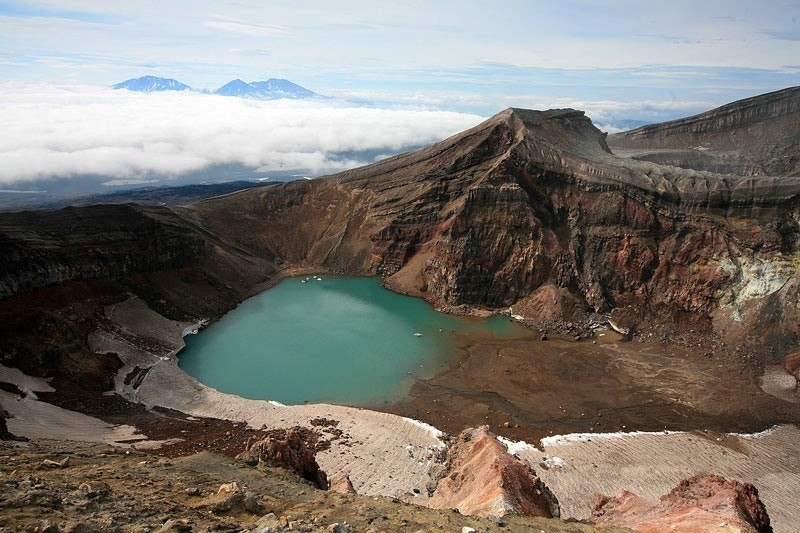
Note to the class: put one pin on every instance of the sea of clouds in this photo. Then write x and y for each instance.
(55, 132)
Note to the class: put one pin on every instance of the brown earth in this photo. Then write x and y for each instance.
(530, 389)
(702, 503)
(757, 136)
(101, 488)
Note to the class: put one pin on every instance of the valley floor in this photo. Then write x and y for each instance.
(531, 389)
(525, 390)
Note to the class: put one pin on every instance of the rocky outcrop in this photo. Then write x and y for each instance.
(482, 478)
(287, 449)
(100, 241)
(702, 503)
(527, 206)
(755, 136)
(533, 199)
(341, 483)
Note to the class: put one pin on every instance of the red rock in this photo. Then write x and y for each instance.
(699, 504)
(290, 450)
(482, 478)
(341, 483)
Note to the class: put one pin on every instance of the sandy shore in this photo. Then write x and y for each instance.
(385, 454)
(390, 455)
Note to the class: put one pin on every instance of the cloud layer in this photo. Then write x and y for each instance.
(59, 132)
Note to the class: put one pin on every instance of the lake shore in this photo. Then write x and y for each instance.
(538, 387)
(528, 389)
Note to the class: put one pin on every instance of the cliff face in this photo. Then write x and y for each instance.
(528, 201)
(755, 136)
(44, 248)
(526, 207)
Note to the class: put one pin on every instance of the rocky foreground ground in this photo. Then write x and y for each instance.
(68, 486)
(529, 213)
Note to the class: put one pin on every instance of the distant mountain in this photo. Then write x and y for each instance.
(149, 84)
(177, 195)
(238, 88)
(278, 88)
(272, 89)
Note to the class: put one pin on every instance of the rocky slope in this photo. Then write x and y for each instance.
(529, 211)
(76, 487)
(755, 136)
(481, 478)
(532, 205)
(701, 503)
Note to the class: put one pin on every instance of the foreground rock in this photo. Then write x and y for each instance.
(702, 503)
(287, 449)
(102, 488)
(482, 478)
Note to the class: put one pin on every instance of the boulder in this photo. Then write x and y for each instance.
(701, 503)
(287, 449)
(482, 478)
(341, 483)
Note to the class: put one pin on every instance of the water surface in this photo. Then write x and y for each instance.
(339, 340)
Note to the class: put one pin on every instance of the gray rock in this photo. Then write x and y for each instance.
(176, 526)
(268, 524)
(251, 505)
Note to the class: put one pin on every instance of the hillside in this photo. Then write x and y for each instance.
(757, 136)
(529, 213)
(530, 204)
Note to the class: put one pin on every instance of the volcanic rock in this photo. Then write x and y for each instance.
(529, 206)
(532, 206)
(754, 136)
(341, 483)
(482, 478)
(702, 503)
(289, 450)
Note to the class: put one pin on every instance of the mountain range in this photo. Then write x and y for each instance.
(535, 214)
(272, 89)
(149, 84)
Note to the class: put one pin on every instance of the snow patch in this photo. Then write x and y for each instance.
(517, 446)
(194, 329)
(758, 435)
(560, 440)
(554, 462)
(432, 431)
(27, 384)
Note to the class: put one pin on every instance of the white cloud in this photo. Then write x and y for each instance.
(51, 131)
(246, 28)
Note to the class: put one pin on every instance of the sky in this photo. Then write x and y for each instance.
(616, 59)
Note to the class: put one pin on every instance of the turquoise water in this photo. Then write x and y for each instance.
(338, 340)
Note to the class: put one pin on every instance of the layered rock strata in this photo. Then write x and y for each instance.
(702, 503)
(755, 136)
(482, 478)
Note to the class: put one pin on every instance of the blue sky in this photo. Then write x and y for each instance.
(636, 59)
(401, 74)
